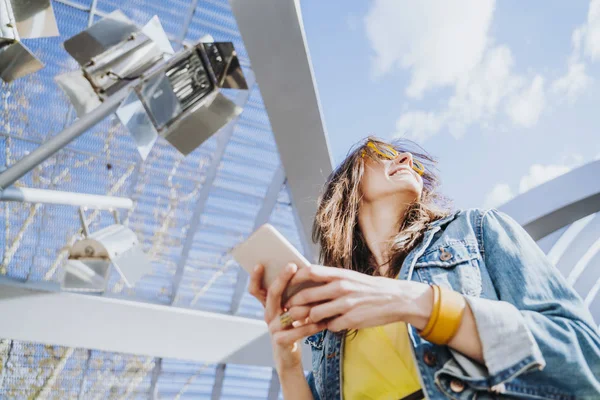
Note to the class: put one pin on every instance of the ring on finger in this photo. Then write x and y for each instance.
(286, 320)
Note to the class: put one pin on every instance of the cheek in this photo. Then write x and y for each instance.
(368, 182)
(366, 188)
(372, 184)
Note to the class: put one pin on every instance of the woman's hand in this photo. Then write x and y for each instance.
(352, 300)
(286, 351)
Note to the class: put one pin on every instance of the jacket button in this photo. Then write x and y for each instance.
(457, 386)
(445, 256)
(429, 359)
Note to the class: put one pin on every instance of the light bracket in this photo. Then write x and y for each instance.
(23, 19)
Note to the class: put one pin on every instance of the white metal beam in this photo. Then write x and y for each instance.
(44, 196)
(115, 325)
(273, 34)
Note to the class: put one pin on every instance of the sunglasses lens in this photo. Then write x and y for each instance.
(387, 151)
(418, 167)
(381, 151)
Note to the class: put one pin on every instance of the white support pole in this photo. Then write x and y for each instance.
(274, 37)
(56, 143)
(30, 195)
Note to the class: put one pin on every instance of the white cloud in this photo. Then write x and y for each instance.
(419, 125)
(479, 94)
(592, 32)
(525, 108)
(500, 194)
(573, 83)
(586, 43)
(448, 44)
(440, 42)
(478, 97)
(537, 174)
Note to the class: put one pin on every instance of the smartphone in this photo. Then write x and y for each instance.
(267, 246)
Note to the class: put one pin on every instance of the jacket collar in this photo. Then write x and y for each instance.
(443, 221)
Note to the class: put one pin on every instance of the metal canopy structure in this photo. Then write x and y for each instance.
(149, 341)
(189, 329)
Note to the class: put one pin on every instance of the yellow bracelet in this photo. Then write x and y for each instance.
(434, 312)
(449, 317)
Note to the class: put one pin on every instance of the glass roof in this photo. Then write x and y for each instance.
(167, 189)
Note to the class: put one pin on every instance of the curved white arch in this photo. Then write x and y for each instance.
(568, 238)
(588, 277)
(559, 202)
(583, 262)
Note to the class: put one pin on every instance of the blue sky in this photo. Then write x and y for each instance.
(504, 94)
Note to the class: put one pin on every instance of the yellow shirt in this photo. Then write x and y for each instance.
(378, 364)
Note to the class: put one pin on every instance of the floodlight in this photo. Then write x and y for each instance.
(176, 96)
(23, 19)
(180, 100)
(90, 258)
(86, 275)
(112, 52)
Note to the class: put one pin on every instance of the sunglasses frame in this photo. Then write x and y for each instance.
(417, 166)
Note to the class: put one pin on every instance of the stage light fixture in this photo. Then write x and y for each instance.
(112, 52)
(88, 266)
(176, 96)
(181, 100)
(23, 19)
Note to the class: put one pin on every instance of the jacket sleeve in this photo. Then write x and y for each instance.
(539, 333)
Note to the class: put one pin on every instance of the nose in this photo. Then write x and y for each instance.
(405, 158)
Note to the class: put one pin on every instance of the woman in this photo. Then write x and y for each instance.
(416, 301)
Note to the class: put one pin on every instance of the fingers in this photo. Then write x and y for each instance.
(273, 303)
(255, 284)
(319, 294)
(290, 336)
(340, 323)
(334, 308)
(319, 273)
(354, 319)
(298, 314)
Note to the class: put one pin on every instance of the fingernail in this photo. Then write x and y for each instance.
(256, 267)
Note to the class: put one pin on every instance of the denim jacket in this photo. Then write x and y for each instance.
(539, 341)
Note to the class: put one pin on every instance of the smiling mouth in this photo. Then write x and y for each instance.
(399, 171)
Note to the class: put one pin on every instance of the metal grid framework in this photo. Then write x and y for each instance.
(189, 211)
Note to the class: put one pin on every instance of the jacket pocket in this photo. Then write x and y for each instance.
(455, 265)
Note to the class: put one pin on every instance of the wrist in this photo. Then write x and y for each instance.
(292, 370)
(417, 303)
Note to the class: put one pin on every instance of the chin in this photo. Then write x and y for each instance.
(410, 189)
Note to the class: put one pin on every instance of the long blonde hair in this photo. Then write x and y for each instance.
(336, 227)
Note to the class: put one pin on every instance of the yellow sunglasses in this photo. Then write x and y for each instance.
(387, 152)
